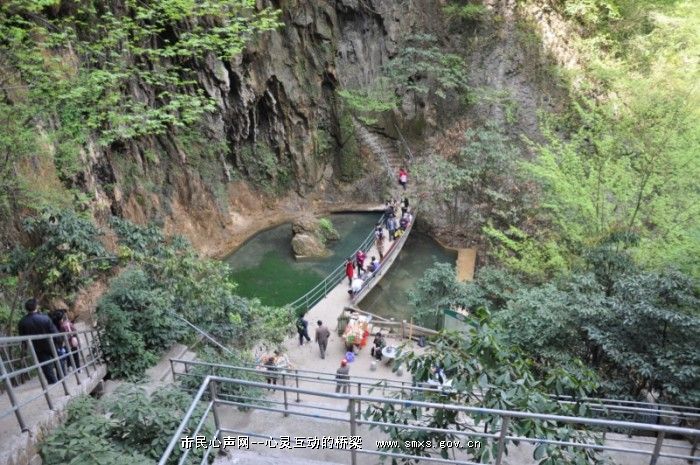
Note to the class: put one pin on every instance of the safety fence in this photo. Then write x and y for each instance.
(321, 290)
(24, 360)
(212, 402)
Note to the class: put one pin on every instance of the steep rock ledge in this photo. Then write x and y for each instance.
(274, 143)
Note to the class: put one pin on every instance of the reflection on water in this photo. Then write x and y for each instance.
(389, 298)
(265, 267)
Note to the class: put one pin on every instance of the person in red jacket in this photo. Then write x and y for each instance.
(349, 270)
(403, 178)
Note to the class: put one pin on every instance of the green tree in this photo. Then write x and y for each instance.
(485, 372)
(124, 71)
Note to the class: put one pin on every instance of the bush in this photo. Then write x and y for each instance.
(137, 323)
(126, 428)
(327, 230)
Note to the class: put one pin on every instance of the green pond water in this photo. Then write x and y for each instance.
(389, 298)
(265, 267)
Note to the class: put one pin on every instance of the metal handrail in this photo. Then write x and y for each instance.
(205, 335)
(323, 288)
(394, 249)
(212, 383)
(364, 383)
(89, 355)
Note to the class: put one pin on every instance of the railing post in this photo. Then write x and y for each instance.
(296, 379)
(172, 368)
(403, 329)
(81, 353)
(59, 368)
(70, 358)
(353, 429)
(657, 448)
(505, 421)
(11, 395)
(42, 378)
(284, 394)
(359, 402)
(213, 394)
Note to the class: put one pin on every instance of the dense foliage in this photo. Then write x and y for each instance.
(63, 253)
(635, 328)
(167, 280)
(76, 74)
(129, 427)
(486, 372)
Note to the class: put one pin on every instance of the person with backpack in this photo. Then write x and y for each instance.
(302, 330)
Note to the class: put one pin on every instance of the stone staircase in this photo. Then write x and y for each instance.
(382, 147)
(160, 374)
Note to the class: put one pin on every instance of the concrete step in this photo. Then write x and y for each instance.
(161, 370)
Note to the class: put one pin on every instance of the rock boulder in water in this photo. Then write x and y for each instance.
(308, 238)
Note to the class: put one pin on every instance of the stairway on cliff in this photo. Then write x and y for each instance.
(382, 147)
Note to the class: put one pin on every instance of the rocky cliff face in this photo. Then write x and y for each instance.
(276, 142)
(279, 141)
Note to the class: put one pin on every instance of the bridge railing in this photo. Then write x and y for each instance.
(188, 371)
(505, 422)
(321, 290)
(20, 364)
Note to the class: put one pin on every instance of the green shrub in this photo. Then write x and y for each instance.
(327, 230)
(138, 324)
(125, 428)
(465, 12)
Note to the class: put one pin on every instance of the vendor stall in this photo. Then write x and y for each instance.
(356, 332)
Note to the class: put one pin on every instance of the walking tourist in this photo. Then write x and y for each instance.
(349, 270)
(379, 243)
(303, 330)
(342, 375)
(271, 367)
(360, 261)
(34, 323)
(322, 335)
(404, 206)
(392, 226)
(403, 178)
(67, 326)
(61, 350)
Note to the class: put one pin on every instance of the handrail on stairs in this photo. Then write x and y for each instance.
(205, 335)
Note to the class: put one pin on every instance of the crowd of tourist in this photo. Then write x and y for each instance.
(395, 225)
(66, 346)
(358, 270)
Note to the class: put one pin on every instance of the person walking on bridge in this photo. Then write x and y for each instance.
(322, 335)
(349, 270)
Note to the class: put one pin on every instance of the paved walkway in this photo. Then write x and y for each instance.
(307, 357)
